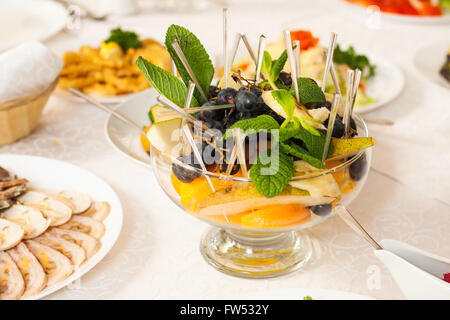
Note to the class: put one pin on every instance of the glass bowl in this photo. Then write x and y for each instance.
(257, 237)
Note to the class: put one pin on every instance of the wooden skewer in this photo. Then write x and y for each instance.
(348, 101)
(105, 108)
(237, 40)
(249, 48)
(297, 57)
(261, 47)
(197, 154)
(225, 38)
(329, 59)
(173, 67)
(331, 121)
(290, 53)
(180, 55)
(165, 101)
(238, 137)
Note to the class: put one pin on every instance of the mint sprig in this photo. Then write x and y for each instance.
(278, 65)
(309, 91)
(287, 101)
(271, 177)
(297, 151)
(196, 56)
(262, 122)
(165, 83)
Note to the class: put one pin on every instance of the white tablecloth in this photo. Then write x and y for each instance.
(407, 195)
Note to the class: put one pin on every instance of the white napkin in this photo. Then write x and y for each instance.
(26, 70)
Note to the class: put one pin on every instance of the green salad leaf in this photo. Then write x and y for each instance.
(125, 39)
(196, 56)
(271, 177)
(165, 83)
(354, 61)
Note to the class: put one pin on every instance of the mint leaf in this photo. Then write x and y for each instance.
(125, 39)
(309, 91)
(266, 63)
(286, 100)
(165, 83)
(278, 65)
(272, 178)
(196, 56)
(297, 151)
(314, 144)
(290, 131)
(262, 122)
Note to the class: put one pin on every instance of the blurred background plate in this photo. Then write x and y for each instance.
(125, 138)
(24, 20)
(385, 86)
(300, 293)
(429, 60)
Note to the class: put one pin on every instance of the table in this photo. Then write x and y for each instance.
(407, 195)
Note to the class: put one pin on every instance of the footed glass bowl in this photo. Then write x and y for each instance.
(257, 237)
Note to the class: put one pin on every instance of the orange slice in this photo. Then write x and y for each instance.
(277, 216)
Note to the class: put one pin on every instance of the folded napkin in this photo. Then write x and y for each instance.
(26, 70)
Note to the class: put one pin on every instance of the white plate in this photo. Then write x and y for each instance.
(429, 60)
(57, 175)
(103, 99)
(124, 138)
(24, 20)
(385, 86)
(403, 18)
(300, 293)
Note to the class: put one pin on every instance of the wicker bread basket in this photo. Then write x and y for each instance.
(20, 116)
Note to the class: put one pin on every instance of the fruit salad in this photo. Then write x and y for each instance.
(249, 155)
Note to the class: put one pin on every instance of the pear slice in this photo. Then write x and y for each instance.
(160, 114)
(165, 137)
(241, 197)
(344, 147)
(322, 186)
(273, 104)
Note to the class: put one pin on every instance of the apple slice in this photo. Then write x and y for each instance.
(165, 137)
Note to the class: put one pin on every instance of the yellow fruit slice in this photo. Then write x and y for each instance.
(110, 50)
(159, 114)
(276, 216)
(144, 141)
(164, 136)
(196, 191)
(348, 146)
